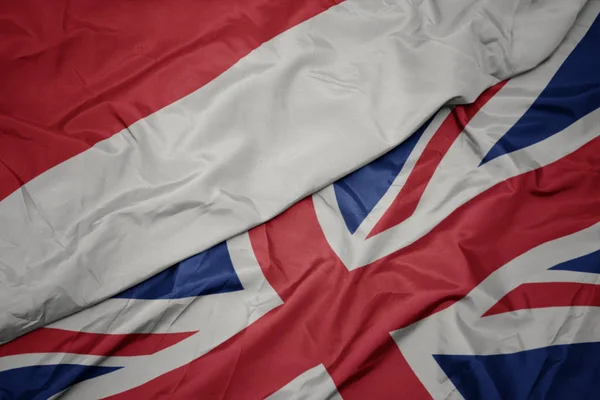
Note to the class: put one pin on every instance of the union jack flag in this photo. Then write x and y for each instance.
(462, 264)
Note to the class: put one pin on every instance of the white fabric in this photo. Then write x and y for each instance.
(307, 107)
(314, 384)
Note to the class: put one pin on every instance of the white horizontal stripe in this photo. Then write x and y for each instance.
(299, 112)
(551, 276)
(28, 360)
(459, 178)
(121, 316)
(460, 329)
(314, 384)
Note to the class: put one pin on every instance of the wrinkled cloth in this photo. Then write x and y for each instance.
(304, 108)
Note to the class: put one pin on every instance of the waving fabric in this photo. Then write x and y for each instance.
(137, 134)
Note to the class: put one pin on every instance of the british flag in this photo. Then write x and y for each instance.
(462, 264)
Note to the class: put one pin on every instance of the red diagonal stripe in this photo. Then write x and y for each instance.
(50, 340)
(77, 72)
(406, 202)
(343, 319)
(548, 294)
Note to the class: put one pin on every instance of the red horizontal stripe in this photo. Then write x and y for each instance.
(543, 295)
(406, 202)
(343, 319)
(50, 340)
(77, 72)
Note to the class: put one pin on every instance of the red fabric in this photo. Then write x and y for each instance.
(343, 319)
(50, 340)
(548, 294)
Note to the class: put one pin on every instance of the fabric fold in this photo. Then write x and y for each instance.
(303, 109)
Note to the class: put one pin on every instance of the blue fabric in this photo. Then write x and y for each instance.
(573, 92)
(205, 273)
(588, 263)
(358, 193)
(43, 381)
(550, 373)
